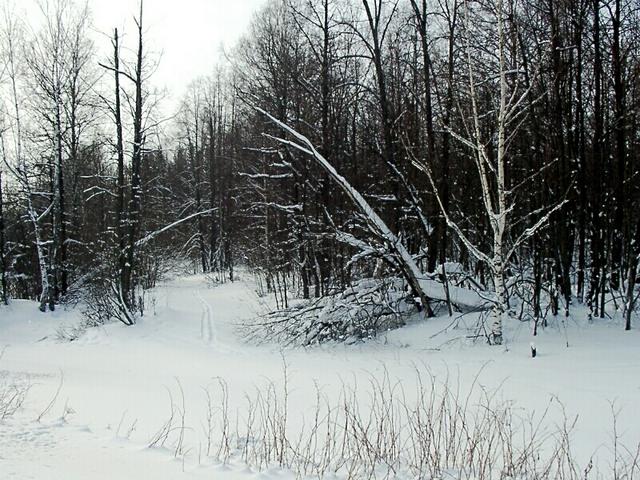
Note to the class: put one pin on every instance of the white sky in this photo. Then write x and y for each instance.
(189, 34)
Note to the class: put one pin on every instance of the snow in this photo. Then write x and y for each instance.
(458, 295)
(116, 380)
(424, 288)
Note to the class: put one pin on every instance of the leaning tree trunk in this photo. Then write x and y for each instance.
(403, 258)
(23, 178)
(45, 288)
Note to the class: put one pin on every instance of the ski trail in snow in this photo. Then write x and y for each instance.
(209, 324)
(207, 329)
(202, 315)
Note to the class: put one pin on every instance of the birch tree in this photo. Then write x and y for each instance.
(47, 62)
(58, 61)
(13, 35)
(492, 157)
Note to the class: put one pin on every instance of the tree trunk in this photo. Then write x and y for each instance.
(619, 198)
(136, 186)
(632, 274)
(211, 160)
(120, 206)
(438, 237)
(389, 150)
(194, 159)
(597, 239)
(3, 263)
(58, 252)
(582, 163)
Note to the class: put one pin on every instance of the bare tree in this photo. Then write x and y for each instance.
(192, 118)
(13, 35)
(121, 213)
(491, 156)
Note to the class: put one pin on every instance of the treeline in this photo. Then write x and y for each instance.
(518, 120)
(496, 138)
(78, 158)
(99, 197)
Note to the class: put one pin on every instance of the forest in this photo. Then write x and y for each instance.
(364, 160)
(379, 239)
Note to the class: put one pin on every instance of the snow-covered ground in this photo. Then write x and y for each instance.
(116, 384)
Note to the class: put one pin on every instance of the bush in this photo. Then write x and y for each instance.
(360, 312)
(13, 392)
(105, 304)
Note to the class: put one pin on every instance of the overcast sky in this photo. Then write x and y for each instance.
(188, 33)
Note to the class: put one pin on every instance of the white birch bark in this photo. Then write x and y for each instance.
(492, 176)
(20, 172)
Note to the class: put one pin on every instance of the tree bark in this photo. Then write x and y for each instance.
(619, 198)
(596, 234)
(3, 264)
(121, 213)
(136, 186)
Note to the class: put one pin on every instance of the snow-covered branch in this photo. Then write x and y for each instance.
(150, 236)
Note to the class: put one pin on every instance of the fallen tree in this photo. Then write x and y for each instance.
(425, 289)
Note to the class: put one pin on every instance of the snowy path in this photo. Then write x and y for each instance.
(206, 322)
(116, 380)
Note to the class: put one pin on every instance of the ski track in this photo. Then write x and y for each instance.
(207, 328)
(118, 381)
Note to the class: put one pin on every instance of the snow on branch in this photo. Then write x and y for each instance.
(278, 176)
(150, 236)
(425, 289)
